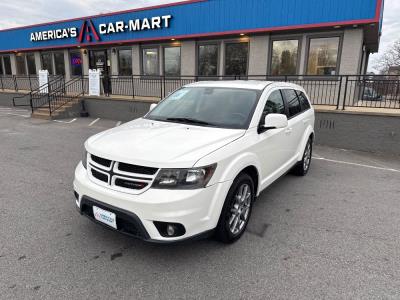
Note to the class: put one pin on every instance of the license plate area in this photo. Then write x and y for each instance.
(105, 217)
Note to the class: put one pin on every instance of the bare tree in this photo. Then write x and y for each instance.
(390, 58)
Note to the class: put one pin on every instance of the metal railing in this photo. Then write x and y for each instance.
(58, 96)
(36, 98)
(372, 92)
(63, 95)
(339, 91)
(22, 82)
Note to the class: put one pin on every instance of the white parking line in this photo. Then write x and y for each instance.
(94, 122)
(18, 115)
(357, 165)
(65, 122)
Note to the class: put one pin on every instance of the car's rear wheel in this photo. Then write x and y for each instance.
(303, 166)
(236, 211)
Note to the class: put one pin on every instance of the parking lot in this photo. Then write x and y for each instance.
(333, 234)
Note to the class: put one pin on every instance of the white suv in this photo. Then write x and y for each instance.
(195, 164)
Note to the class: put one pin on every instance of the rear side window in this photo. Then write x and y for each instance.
(305, 104)
(293, 102)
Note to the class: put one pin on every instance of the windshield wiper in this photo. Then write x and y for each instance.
(190, 121)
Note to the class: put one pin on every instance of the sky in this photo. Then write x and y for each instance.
(390, 30)
(26, 12)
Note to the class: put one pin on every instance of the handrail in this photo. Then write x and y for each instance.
(57, 101)
(37, 91)
(60, 97)
(66, 84)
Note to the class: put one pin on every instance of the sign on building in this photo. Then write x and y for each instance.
(94, 82)
(44, 81)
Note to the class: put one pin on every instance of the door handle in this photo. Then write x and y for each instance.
(306, 121)
(289, 130)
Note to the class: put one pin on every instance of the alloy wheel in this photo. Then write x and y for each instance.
(307, 157)
(240, 209)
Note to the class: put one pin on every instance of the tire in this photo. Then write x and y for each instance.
(227, 231)
(303, 166)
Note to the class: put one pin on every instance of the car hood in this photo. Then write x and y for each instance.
(160, 144)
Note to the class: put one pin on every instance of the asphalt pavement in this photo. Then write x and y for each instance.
(331, 235)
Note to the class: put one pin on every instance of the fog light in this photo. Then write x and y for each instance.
(170, 230)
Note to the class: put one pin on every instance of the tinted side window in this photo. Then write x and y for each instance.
(293, 102)
(305, 104)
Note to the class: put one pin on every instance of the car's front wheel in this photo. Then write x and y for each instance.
(236, 211)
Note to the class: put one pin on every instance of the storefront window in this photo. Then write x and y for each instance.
(30, 61)
(125, 62)
(7, 65)
(59, 63)
(21, 67)
(47, 62)
(284, 57)
(236, 55)
(208, 60)
(172, 61)
(76, 63)
(323, 56)
(150, 62)
(1, 66)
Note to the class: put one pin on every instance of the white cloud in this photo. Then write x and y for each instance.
(27, 12)
(390, 29)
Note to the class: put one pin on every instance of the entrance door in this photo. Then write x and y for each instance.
(100, 60)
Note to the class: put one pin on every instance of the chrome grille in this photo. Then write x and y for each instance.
(120, 176)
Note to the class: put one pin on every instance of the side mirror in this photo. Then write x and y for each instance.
(152, 106)
(275, 121)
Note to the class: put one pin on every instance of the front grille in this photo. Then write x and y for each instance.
(101, 161)
(99, 176)
(129, 184)
(137, 169)
(121, 176)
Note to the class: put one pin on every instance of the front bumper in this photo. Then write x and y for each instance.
(197, 210)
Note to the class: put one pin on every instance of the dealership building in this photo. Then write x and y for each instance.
(203, 38)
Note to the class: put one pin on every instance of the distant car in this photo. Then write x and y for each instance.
(195, 164)
(371, 94)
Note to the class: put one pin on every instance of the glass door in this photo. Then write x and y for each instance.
(100, 60)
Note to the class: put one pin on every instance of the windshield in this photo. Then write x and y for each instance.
(208, 106)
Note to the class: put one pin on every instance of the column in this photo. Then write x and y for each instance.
(188, 58)
(85, 62)
(258, 55)
(67, 65)
(136, 60)
(114, 61)
(351, 51)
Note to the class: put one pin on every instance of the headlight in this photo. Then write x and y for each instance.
(84, 159)
(184, 179)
